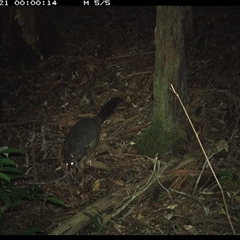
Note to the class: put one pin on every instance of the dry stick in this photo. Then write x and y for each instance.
(65, 107)
(138, 192)
(33, 160)
(157, 173)
(207, 159)
(57, 100)
(129, 55)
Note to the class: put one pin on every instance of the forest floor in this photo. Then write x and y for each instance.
(109, 52)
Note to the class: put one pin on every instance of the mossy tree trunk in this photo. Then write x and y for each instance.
(167, 131)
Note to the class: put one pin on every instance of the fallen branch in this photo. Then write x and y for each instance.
(115, 202)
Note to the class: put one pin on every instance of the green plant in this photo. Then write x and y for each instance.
(11, 197)
(33, 231)
(225, 175)
(97, 223)
(8, 168)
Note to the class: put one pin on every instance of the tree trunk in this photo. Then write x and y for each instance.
(167, 132)
(28, 35)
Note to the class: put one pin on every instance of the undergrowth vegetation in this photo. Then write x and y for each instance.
(12, 196)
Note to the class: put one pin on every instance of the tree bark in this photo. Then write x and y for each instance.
(28, 35)
(167, 132)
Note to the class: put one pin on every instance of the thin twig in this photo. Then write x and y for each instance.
(207, 159)
(152, 179)
(65, 107)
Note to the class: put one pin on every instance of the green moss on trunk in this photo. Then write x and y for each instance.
(167, 130)
(155, 140)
